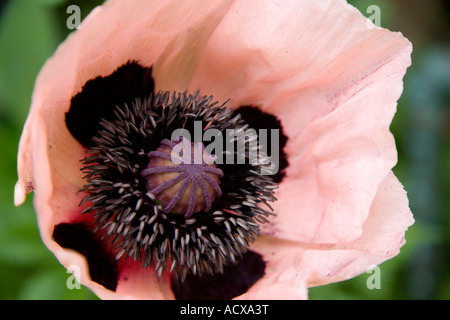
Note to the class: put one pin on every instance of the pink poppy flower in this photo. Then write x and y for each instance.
(315, 70)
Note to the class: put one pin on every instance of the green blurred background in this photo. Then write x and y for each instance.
(30, 30)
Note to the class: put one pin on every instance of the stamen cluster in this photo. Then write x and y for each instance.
(127, 210)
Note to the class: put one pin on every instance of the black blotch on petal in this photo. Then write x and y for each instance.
(99, 96)
(79, 237)
(234, 281)
(258, 119)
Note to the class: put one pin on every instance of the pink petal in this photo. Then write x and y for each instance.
(334, 83)
(138, 283)
(383, 235)
(25, 166)
(48, 160)
(109, 37)
(340, 158)
(293, 266)
(281, 280)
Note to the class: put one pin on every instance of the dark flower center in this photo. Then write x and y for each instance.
(160, 204)
(137, 181)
